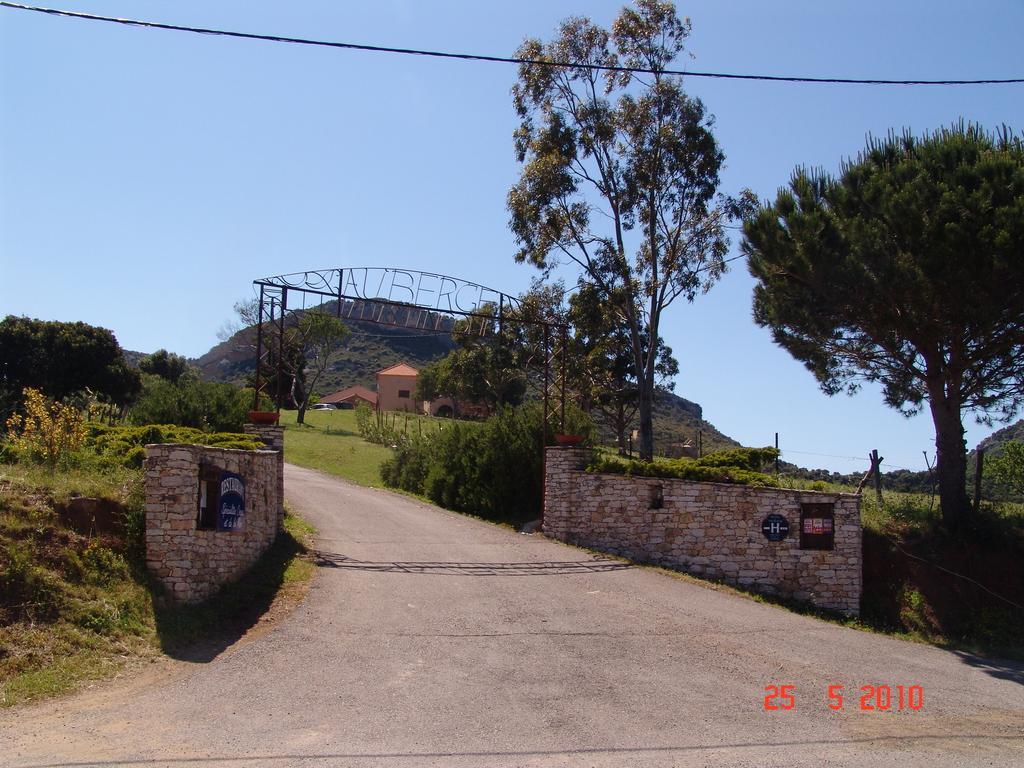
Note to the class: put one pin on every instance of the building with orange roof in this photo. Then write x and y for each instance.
(396, 391)
(351, 396)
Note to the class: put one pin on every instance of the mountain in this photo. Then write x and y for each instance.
(994, 442)
(368, 349)
(678, 422)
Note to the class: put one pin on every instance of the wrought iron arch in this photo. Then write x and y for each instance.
(404, 298)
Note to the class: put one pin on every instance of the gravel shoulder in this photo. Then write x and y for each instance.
(430, 638)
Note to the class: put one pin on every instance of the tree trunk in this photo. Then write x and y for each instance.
(646, 408)
(620, 428)
(951, 461)
(299, 399)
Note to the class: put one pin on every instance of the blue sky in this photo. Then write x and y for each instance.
(146, 177)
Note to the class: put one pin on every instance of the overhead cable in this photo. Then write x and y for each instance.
(500, 59)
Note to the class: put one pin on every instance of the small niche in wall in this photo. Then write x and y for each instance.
(209, 497)
(817, 526)
(657, 497)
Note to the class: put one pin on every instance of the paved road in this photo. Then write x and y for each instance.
(431, 639)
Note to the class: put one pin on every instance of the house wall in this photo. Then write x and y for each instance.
(388, 387)
(192, 564)
(710, 529)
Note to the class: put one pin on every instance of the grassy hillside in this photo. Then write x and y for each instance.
(329, 441)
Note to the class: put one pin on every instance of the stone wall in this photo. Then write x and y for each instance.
(710, 529)
(193, 563)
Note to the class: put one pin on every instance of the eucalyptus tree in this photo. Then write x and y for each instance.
(620, 173)
(603, 369)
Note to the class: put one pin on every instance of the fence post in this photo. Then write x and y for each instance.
(876, 467)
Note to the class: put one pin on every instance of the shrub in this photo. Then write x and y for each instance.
(49, 430)
(407, 469)
(205, 405)
(123, 445)
(377, 426)
(492, 469)
(103, 566)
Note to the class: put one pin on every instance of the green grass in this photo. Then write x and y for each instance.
(117, 483)
(329, 441)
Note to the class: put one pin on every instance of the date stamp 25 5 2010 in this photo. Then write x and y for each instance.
(872, 698)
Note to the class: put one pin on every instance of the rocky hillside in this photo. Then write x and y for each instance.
(368, 349)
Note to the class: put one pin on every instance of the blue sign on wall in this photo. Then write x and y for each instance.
(775, 527)
(231, 510)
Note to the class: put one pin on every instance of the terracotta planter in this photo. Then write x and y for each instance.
(568, 439)
(264, 417)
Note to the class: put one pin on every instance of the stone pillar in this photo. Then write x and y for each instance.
(559, 489)
(272, 436)
(172, 488)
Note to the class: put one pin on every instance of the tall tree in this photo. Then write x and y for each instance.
(61, 359)
(609, 152)
(481, 374)
(905, 270)
(164, 364)
(317, 335)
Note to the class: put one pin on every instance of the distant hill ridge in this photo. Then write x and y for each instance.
(372, 346)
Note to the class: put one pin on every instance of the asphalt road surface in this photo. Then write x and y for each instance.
(432, 639)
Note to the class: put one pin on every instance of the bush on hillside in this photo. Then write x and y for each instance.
(190, 402)
(49, 431)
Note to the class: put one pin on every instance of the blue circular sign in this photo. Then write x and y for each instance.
(775, 527)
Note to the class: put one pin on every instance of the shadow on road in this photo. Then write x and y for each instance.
(998, 668)
(545, 568)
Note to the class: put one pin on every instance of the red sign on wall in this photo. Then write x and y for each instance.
(817, 526)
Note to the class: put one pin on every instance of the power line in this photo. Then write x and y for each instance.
(498, 59)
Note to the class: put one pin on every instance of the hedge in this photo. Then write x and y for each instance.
(125, 445)
(492, 469)
(740, 466)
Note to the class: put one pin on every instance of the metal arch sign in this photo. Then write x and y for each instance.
(409, 287)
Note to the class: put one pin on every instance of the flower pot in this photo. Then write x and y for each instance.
(568, 439)
(264, 417)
